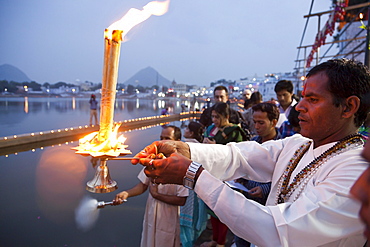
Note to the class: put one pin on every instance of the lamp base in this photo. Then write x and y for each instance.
(102, 182)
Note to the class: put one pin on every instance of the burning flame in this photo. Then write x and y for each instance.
(112, 146)
(105, 142)
(135, 16)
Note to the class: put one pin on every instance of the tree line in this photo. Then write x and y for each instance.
(14, 87)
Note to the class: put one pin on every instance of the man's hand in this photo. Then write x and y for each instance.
(165, 147)
(170, 170)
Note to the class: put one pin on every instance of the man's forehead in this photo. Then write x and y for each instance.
(168, 130)
(284, 91)
(260, 113)
(315, 84)
(220, 92)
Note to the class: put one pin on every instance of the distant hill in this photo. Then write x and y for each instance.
(147, 77)
(11, 73)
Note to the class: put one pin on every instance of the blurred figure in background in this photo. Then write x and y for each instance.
(255, 99)
(193, 132)
(290, 126)
(183, 107)
(220, 94)
(165, 111)
(246, 97)
(285, 97)
(93, 109)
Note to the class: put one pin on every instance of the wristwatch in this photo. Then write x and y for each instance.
(190, 175)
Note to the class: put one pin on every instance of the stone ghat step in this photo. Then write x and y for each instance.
(75, 133)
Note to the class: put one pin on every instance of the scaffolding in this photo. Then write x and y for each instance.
(350, 42)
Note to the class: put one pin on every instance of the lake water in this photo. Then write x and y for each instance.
(41, 188)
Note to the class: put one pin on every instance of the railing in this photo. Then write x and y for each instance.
(46, 138)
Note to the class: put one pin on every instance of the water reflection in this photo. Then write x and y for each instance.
(26, 104)
(44, 182)
(60, 183)
(45, 186)
(25, 114)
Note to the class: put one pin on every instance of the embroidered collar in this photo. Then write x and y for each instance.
(285, 190)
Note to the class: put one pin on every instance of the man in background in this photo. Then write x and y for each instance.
(93, 109)
(284, 94)
(170, 132)
(265, 117)
(246, 96)
(220, 94)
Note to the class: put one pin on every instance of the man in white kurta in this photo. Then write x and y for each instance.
(323, 203)
(161, 224)
(309, 203)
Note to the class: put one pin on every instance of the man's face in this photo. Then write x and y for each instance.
(168, 134)
(361, 191)
(264, 127)
(284, 98)
(220, 96)
(247, 94)
(319, 119)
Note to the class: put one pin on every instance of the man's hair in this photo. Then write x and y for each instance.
(256, 98)
(220, 88)
(271, 109)
(176, 133)
(346, 78)
(222, 108)
(284, 85)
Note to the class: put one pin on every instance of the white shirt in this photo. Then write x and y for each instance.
(323, 213)
(285, 113)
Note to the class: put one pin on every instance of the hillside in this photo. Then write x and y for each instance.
(11, 73)
(147, 77)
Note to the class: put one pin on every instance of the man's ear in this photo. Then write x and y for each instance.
(274, 122)
(351, 106)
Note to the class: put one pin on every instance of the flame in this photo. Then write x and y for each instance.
(112, 146)
(135, 16)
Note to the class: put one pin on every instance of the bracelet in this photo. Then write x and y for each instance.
(189, 178)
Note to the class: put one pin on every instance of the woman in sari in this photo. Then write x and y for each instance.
(221, 132)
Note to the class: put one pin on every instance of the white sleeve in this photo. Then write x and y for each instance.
(247, 159)
(325, 214)
(244, 217)
(142, 177)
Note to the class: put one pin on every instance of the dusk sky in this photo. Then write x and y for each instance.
(195, 42)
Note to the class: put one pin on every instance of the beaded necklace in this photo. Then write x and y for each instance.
(284, 191)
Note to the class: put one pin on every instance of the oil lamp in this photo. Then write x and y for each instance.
(106, 143)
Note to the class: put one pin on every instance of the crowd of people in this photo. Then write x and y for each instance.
(273, 173)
